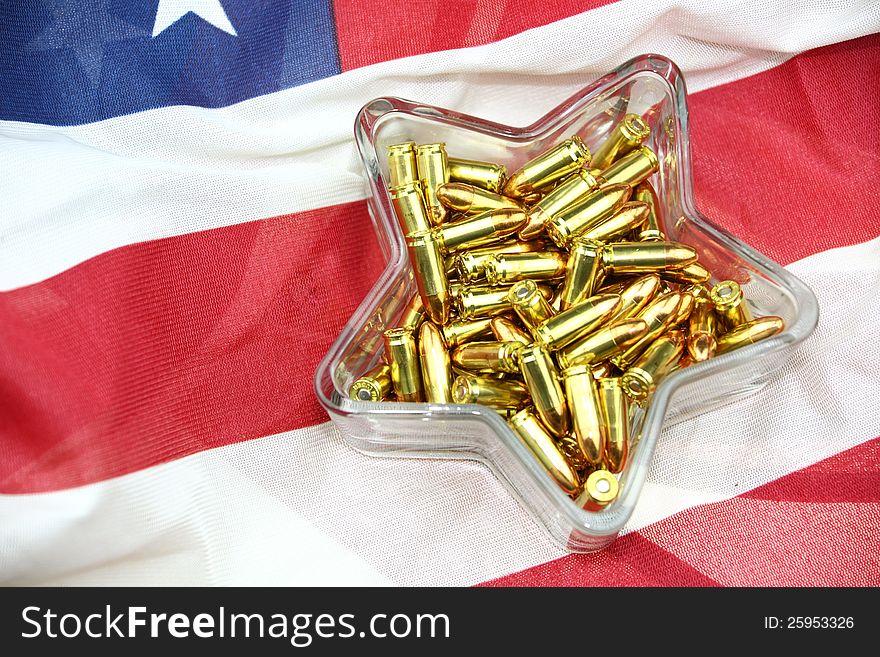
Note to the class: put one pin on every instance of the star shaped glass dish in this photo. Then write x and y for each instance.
(653, 87)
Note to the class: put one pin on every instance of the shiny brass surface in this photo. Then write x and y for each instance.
(653, 230)
(640, 380)
(583, 272)
(402, 164)
(593, 208)
(550, 166)
(637, 295)
(702, 327)
(749, 333)
(528, 428)
(527, 301)
(569, 325)
(730, 304)
(600, 489)
(658, 315)
(542, 381)
(506, 330)
(629, 133)
(583, 403)
(409, 206)
(479, 230)
(615, 419)
(469, 199)
(487, 175)
(374, 386)
(645, 257)
(603, 344)
(568, 193)
(472, 389)
(630, 217)
(403, 358)
(488, 356)
(460, 331)
(430, 275)
(633, 168)
(433, 168)
(506, 268)
(436, 366)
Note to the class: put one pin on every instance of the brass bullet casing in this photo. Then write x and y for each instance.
(685, 307)
(530, 199)
(487, 175)
(629, 133)
(403, 358)
(479, 230)
(482, 301)
(641, 379)
(460, 331)
(527, 301)
(541, 172)
(402, 164)
(469, 389)
(433, 167)
(528, 428)
(430, 275)
(615, 419)
(636, 296)
(749, 333)
(436, 366)
(568, 445)
(471, 264)
(507, 331)
(488, 356)
(690, 275)
(576, 322)
(413, 314)
(586, 419)
(506, 268)
(567, 193)
(633, 168)
(542, 381)
(699, 290)
(601, 370)
(658, 315)
(730, 304)
(583, 272)
(630, 217)
(653, 231)
(409, 206)
(374, 386)
(469, 199)
(592, 209)
(702, 342)
(608, 341)
(643, 257)
(600, 490)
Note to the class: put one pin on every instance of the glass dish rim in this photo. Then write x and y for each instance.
(613, 518)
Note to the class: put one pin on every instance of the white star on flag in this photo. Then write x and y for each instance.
(171, 11)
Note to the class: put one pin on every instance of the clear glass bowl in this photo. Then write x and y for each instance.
(653, 87)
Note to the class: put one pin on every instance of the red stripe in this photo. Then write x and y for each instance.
(372, 31)
(165, 348)
(794, 531)
(161, 349)
(784, 159)
(629, 561)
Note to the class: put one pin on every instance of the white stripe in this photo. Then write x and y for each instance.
(72, 193)
(303, 507)
(207, 519)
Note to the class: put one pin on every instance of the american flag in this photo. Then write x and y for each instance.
(184, 232)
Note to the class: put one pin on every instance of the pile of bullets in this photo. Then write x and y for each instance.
(551, 296)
